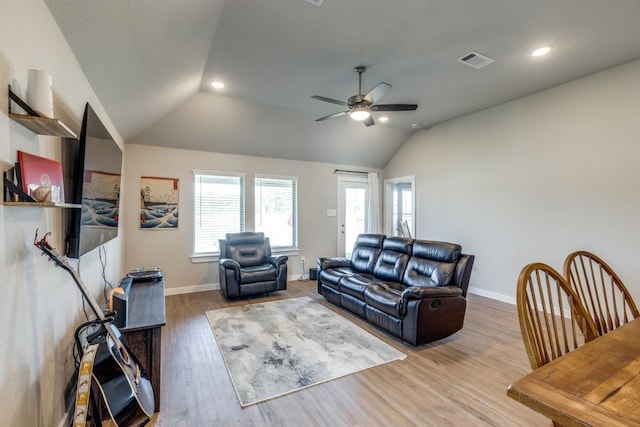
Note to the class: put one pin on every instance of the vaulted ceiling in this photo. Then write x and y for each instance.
(151, 63)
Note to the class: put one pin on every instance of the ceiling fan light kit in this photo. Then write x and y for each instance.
(359, 114)
(360, 106)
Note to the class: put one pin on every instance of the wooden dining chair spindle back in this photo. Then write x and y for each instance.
(600, 290)
(552, 320)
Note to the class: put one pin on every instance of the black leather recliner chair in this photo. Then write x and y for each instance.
(247, 267)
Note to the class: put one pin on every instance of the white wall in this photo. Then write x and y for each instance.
(40, 304)
(172, 249)
(534, 179)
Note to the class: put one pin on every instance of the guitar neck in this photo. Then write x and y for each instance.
(95, 307)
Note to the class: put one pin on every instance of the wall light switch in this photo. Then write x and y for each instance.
(331, 212)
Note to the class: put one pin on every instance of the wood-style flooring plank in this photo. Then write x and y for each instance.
(458, 381)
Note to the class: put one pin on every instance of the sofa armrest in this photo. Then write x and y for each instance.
(229, 263)
(278, 260)
(422, 292)
(332, 262)
(463, 272)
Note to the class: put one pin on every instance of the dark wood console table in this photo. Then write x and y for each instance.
(146, 315)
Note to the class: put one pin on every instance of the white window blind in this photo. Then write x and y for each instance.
(218, 209)
(276, 203)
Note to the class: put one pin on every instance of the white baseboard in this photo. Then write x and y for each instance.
(191, 289)
(493, 295)
(211, 287)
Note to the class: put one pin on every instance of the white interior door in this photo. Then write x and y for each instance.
(352, 212)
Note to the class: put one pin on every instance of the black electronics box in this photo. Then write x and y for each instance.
(119, 303)
(145, 275)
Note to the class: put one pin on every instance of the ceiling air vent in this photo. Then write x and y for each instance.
(315, 2)
(476, 60)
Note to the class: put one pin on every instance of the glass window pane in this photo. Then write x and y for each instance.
(355, 213)
(218, 209)
(276, 210)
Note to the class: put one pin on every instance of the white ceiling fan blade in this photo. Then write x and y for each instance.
(377, 92)
(331, 116)
(369, 122)
(333, 101)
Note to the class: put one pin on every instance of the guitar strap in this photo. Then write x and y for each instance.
(83, 389)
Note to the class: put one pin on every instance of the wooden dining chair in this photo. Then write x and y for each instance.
(553, 322)
(600, 290)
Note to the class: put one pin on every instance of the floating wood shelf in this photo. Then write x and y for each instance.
(13, 193)
(43, 125)
(15, 196)
(35, 122)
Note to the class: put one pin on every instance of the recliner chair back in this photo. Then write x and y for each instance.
(366, 251)
(432, 264)
(247, 248)
(393, 258)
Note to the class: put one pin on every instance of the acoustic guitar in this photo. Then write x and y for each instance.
(126, 391)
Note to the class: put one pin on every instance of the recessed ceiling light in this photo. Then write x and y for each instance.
(415, 125)
(542, 51)
(383, 119)
(217, 85)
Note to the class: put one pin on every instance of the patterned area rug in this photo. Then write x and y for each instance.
(279, 347)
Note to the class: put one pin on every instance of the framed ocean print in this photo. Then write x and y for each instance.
(159, 203)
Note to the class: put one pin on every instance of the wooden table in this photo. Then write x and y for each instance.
(146, 315)
(598, 384)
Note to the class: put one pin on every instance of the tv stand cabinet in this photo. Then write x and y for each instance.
(142, 334)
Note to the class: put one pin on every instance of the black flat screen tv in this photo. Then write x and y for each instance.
(93, 168)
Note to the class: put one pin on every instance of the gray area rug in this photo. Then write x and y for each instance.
(274, 348)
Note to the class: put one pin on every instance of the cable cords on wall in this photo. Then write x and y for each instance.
(107, 287)
(84, 307)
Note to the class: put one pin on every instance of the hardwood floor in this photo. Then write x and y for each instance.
(458, 381)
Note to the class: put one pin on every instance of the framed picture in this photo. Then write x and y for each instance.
(158, 203)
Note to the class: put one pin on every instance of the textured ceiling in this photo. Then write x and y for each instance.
(151, 62)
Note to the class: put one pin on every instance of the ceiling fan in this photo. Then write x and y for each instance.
(359, 107)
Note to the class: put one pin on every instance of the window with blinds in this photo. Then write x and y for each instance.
(276, 203)
(218, 209)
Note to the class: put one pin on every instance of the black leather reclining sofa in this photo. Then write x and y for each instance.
(413, 289)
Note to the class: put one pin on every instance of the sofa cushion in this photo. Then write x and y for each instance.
(383, 298)
(355, 285)
(393, 259)
(332, 276)
(437, 251)
(258, 273)
(432, 264)
(365, 252)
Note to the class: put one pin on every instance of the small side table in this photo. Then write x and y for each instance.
(142, 334)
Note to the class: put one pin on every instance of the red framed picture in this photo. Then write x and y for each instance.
(41, 177)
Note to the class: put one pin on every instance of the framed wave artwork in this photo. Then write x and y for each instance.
(158, 203)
